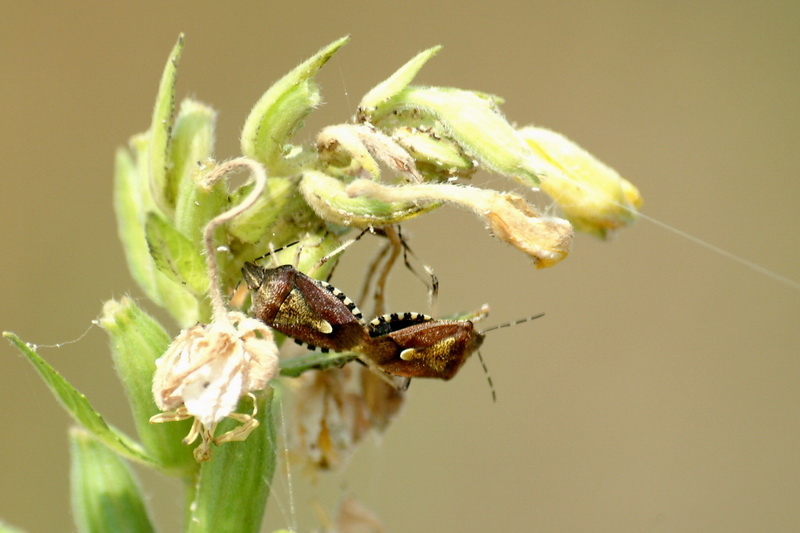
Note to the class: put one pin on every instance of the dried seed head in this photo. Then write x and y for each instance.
(208, 368)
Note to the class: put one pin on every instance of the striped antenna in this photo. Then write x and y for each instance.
(488, 377)
(516, 322)
(272, 251)
(340, 249)
(500, 326)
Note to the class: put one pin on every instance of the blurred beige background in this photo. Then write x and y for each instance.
(661, 391)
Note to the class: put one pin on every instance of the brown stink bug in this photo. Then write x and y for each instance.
(310, 311)
(414, 345)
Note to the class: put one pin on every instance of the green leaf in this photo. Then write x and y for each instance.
(191, 148)
(79, 407)
(327, 196)
(175, 255)
(129, 207)
(105, 495)
(132, 201)
(391, 86)
(281, 110)
(137, 340)
(233, 487)
(160, 129)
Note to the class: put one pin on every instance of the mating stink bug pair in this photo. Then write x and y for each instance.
(319, 315)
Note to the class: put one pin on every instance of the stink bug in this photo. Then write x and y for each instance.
(311, 312)
(413, 345)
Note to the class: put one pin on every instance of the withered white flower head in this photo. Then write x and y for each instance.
(209, 367)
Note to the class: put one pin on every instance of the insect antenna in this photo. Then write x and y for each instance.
(514, 323)
(500, 326)
(273, 251)
(342, 247)
(488, 377)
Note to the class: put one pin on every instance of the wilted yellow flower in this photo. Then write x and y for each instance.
(593, 196)
(207, 369)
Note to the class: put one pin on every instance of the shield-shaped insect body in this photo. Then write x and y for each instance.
(310, 311)
(413, 345)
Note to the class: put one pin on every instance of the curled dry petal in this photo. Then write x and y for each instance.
(509, 217)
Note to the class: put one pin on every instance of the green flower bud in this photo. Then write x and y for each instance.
(360, 145)
(281, 110)
(473, 121)
(7, 528)
(105, 494)
(326, 195)
(159, 134)
(593, 196)
(129, 206)
(390, 87)
(137, 340)
(438, 156)
(275, 219)
(132, 202)
(190, 156)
